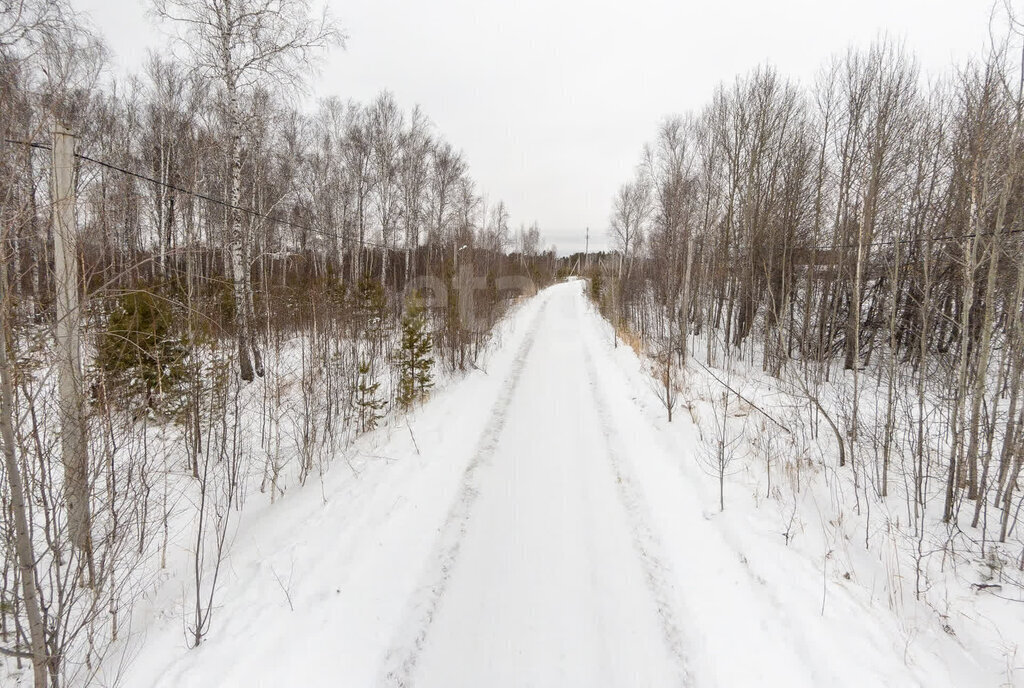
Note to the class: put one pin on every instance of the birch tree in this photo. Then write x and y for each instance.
(242, 44)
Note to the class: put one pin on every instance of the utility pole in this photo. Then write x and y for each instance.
(586, 253)
(73, 433)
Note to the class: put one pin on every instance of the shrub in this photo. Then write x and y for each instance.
(138, 351)
(370, 305)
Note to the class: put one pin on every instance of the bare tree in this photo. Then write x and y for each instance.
(630, 211)
(386, 122)
(240, 43)
(413, 180)
(24, 548)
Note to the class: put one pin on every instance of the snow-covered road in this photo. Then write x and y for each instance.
(541, 530)
(539, 577)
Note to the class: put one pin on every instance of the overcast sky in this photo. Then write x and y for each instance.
(551, 100)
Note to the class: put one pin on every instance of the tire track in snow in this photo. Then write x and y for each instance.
(646, 542)
(821, 672)
(400, 662)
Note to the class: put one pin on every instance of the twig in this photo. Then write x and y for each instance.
(412, 436)
(381, 457)
(726, 385)
(15, 653)
(287, 593)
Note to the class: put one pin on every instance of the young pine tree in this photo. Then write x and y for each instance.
(414, 357)
(370, 305)
(368, 404)
(139, 352)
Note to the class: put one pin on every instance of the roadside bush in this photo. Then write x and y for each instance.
(138, 354)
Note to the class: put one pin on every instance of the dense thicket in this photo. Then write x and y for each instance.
(223, 235)
(860, 240)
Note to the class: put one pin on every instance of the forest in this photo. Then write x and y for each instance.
(169, 238)
(215, 287)
(852, 249)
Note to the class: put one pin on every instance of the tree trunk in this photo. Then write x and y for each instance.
(685, 307)
(22, 533)
(955, 465)
(241, 280)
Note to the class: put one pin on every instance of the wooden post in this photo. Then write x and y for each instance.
(74, 436)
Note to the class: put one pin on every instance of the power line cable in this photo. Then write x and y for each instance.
(197, 194)
(330, 235)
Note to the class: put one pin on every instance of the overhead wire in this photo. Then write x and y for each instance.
(331, 235)
(198, 194)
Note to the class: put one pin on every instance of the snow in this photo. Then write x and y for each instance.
(535, 524)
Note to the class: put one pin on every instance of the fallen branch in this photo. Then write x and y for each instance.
(726, 385)
(15, 653)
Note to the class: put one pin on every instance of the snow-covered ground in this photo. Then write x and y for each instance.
(535, 524)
